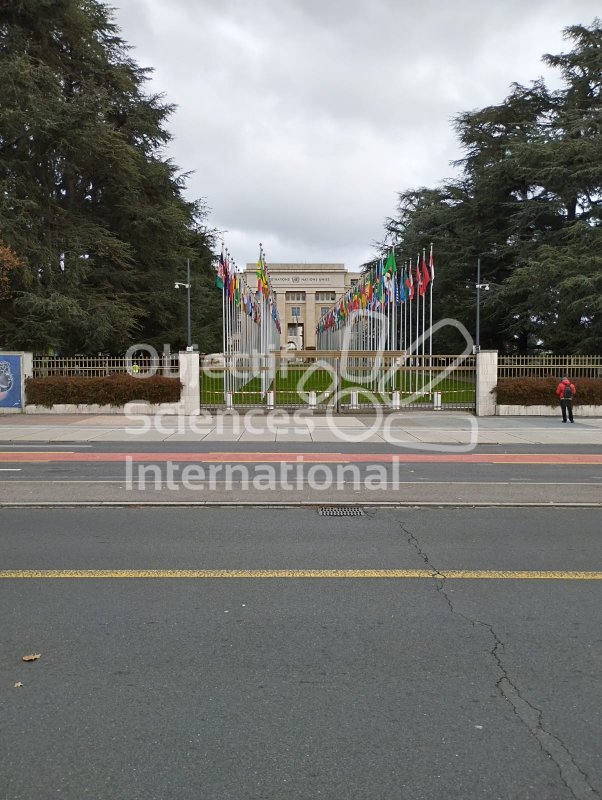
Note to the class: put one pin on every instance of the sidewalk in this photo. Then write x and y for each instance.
(405, 428)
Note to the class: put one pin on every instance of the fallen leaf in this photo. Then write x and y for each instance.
(18, 685)
(31, 657)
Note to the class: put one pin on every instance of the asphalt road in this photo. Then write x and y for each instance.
(292, 473)
(285, 687)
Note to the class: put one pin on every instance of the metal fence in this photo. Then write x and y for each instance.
(101, 366)
(545, 366)
(353, 380)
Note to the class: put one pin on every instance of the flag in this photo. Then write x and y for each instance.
(262, 280)
(380, 283)
(389, 286)
(425, 274)
(219, 280)
(390, 265)
(226, 278)
(432, 266)
(232, 290)
(418, 277)
(401, 295)
(410, 282)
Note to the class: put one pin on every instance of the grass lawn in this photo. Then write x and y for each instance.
(455, 388)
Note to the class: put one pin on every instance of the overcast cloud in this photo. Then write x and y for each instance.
(303, 119)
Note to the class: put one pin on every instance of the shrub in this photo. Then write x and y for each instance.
(114, 390)
(542, 391)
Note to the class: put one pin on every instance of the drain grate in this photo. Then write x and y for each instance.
(341, 511)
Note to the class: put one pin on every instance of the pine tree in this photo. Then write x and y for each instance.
(88, 201)
(529, 203)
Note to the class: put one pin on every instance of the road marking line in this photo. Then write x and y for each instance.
(55, 446)
(196, 504)
(354, 574)
(552, 459)
(524, 482)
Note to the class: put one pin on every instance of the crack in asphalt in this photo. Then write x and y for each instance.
(571, 774)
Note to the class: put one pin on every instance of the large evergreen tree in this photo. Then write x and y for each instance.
(89, 205)
(529, 203)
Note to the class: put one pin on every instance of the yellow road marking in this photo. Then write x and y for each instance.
(303, 573)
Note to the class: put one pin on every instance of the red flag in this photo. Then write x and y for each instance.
(425, 276)
(418, 277)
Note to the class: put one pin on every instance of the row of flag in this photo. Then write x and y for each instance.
(382, 287)
(236, 291)
(264, 288)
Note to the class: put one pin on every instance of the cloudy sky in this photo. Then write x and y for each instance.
(303, 119)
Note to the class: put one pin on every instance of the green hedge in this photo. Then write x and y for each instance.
(113, 390)
(542, 391)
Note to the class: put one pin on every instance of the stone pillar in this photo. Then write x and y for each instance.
(486, 380)
(190, 397)
(309, 330)
(26, 372)
(27, 365)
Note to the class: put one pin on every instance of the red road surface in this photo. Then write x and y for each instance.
(560, 459)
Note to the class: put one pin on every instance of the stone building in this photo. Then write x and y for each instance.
(303, 293)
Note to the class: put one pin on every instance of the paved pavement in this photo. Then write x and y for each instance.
(406, 429)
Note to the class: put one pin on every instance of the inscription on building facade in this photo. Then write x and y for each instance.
(306, 280)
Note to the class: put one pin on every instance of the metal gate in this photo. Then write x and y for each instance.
(341, 381)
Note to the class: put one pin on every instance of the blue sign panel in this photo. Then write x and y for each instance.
(10, 381)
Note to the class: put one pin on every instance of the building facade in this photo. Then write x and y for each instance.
(303, 293)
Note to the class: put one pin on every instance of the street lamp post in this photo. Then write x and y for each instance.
(187, 287)
(479, 286)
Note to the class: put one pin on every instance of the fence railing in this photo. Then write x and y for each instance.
(545, 366)
(101, 366)
(355, 379)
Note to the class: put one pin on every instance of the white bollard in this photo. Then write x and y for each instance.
(228, 401)
(354, 402)
(437, 401)
(312, 399)
(395, 401)
(270, 401)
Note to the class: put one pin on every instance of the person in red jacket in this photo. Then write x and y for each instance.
(565, 392)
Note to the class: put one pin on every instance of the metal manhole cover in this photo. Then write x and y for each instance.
(341, 511)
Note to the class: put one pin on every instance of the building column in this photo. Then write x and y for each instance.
(486, 381)
(190, 397)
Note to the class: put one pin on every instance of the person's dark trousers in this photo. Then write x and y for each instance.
(566, 406)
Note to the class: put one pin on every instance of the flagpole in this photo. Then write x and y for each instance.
(394, 300)
(224, 332)
(226, 317)
(431, 315)
(227, 300)
(417, 335)
(409, 320)
(262, 327)
(423, 317)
